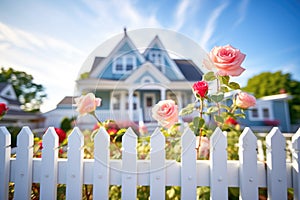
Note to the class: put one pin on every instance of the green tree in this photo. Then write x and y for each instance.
(30, 94)
(268, 83)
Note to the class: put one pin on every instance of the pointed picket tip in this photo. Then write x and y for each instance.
(188, 136)
(51, 137)
(129, 141)
(76, 137)
(274, 136)
(218, 138)
(102, 135)
(296, 140)
(5, 139)
(247, 139)
(157, 141)
(25, 137)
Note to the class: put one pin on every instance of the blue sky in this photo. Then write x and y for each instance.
(52, 39)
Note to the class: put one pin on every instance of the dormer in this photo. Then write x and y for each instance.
(157, 54)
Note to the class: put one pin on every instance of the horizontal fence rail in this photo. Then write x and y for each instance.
(276, 173)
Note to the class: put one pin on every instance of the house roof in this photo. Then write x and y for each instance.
(3, 85)
(68, 100)
(189, 69)
(96, 62)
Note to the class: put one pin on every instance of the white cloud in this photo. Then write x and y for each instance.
(180, 13)
(211, 25)
(52, 62)
(242, 12)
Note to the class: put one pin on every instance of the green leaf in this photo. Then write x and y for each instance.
(234, 85)
(198, 123)
(212, 109)
(224, 79)
(217, 97)
(240, 115)
(219, 119)
(209, 76)
(224, 89)
(187, 110)
(225, 107)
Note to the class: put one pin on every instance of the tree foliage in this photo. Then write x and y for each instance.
(30, 94)
(268, 83)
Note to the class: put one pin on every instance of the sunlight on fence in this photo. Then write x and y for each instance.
(276, 173)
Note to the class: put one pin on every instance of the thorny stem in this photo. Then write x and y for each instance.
(200, 131)
(99, 122)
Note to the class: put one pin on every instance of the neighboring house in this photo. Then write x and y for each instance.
(15, 116)
(131, 82)
(269, 111)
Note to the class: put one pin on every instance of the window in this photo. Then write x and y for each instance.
(254, 112)
(119, 64)
(124, 64)
(266, 114)
(129, 63)
(157, 59)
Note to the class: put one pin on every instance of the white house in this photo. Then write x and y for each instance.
(130, 81)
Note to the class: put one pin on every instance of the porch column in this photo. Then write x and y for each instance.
(163, 93)
(179, 99)
(130, 103)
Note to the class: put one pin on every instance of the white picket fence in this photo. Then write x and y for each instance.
(218, 173)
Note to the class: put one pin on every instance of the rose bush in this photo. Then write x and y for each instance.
(222, 62)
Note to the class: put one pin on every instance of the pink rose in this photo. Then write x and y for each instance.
(166, 113)
(87, 103)
(228, 60)
(244, 100)
(200, 88)
(204, 146)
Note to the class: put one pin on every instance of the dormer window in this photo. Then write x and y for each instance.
(124, 64)
(157, 59)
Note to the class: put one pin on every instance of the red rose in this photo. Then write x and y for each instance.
(200, 88)
(231, 121)
(61, 134)
(3, 109)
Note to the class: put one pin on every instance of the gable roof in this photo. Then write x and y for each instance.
(125, 40)
(189, 69)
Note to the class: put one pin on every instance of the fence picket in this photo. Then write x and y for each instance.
(101, 165)
(218, 168)
(247, 173)
(23, 172)
(129, 165)
(157, 165)
(48, 185)
(75, 165)
(296, 164)
(5, 150)
(188, 165)
(248, 165)
(276, 165)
